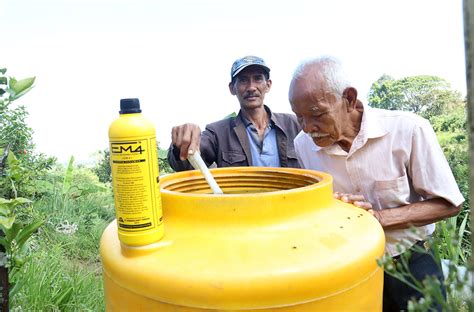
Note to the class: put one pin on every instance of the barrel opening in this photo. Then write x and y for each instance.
(244, 182)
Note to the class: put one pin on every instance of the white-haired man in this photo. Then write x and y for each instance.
(390, 158)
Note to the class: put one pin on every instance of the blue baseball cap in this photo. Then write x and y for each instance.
(245, 62)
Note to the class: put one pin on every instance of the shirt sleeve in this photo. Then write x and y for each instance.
(429, 169)
(175, 162)
(208, 146)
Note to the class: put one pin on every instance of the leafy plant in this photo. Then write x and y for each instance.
(163, 162)
(16, 236)
(14, 129)
(19, 167)
(27, 167)
(458, 280)
(52, 282)
(454, 247)
(452, 135)
(102, 169)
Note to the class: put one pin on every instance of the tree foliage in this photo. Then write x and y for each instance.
(426, 96)
(451, 129)
(19, 169)
(14, 130)
(19, 179)
(102, 168)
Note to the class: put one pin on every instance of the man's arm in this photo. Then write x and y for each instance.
(187, 138)
(415, 214)
(184, 139)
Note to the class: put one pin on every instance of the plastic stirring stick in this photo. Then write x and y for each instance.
(198, 164)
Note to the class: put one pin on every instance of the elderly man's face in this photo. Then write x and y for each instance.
(250, 87)
(321, 113)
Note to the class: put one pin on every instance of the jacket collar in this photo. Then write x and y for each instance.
(242, 120)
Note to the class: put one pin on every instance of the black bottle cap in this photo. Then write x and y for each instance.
(130, 106)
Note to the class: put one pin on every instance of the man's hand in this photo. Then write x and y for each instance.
(356, 200)
(186, 138)
(359, 201)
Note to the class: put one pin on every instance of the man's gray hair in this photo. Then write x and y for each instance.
(330, 68)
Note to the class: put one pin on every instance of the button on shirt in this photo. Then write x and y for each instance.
(264, 152)
(394, 160)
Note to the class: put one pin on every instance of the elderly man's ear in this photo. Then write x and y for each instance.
(350, 95)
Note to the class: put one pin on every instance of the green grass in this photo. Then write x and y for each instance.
(52, 282)
(64, 272)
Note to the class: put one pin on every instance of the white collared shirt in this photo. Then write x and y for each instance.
(394, 160)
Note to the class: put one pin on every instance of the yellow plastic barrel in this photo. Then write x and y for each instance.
(275, 241)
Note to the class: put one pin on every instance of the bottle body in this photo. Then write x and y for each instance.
(135, 180)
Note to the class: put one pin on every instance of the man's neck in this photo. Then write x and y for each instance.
(258, 116)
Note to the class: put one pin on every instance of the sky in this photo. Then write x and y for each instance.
(176, 55)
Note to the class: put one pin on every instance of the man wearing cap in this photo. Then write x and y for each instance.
(255, 137)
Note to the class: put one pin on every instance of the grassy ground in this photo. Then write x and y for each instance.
(64, 272)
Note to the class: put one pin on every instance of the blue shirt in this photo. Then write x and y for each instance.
(264, 152)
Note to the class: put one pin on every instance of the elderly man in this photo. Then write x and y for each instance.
(391, 158)
(256, 137)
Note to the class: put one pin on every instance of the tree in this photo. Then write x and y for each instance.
(12, 120)
(426, 96)
(16, 178)
(20, 178)
(102, 168)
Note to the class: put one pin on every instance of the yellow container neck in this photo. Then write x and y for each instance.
(251, 195)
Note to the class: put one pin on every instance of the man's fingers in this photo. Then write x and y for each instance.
(194, 143)
(354, 198)
(184, 142)
(363, 204)
(351, 198)
(348, 198)
(174, 135)
(186, 137)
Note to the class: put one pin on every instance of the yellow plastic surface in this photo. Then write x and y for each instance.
(275, 241)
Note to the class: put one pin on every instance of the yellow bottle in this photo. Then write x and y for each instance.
(135, 176)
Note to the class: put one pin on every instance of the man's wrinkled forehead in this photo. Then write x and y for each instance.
(308, 89)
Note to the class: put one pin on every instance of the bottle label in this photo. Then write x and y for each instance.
(136, 184)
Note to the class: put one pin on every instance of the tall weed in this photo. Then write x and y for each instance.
(65, 273)
(51, 282)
